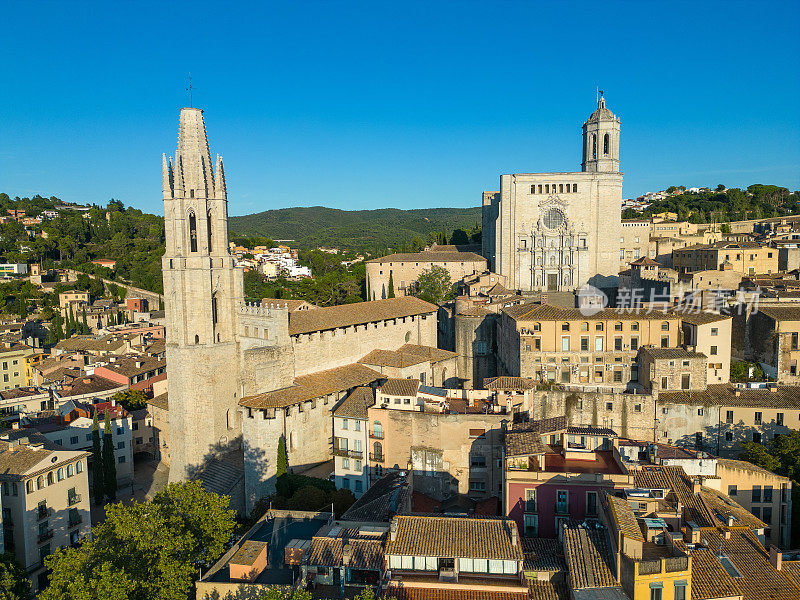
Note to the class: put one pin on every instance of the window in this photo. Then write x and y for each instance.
(758, 418)
(599, 327)
(665, 341)
(584, 344)
(768, 493)
(531, 523)
(356, 425)
(794, 340)
(756, 437)
(591, 503)
(60, 474)
(345, 463)
(584, 326)
(713, 350)
(685, 381)
(665, 326)
(562, 502)
(779, 418)
(477, 486)
(598, 344)
(664, 383)
(120, 445)
(680, 590)
(714, 331)
(618, 376)
(537, 343)
(565, 327)
(728, 436)
(605, 144)
(88, 437)
(618, 344)
(121, 459)
(344, 424)
(192, 231)
(565, 343)
(698, 439)
(729, 416)
(656, 591)
(530, 500)
(119, 430)
(79, 467)
(634, 344)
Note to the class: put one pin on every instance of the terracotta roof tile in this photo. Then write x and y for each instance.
(347, 315)
(430, 256)
(624, 519)
(356, 403)
(723, 395)
(315, 385)
(400, 387)
(509, 383)
(452, 537)
(420, 593)
(588, 557)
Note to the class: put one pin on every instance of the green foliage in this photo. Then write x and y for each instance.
(725, 228)
(287, 485)
(308, 498)
(374, 231)
(390, 293)
(131, 399)
(98, 487)
(299, 492)
(146, 551)
(780, 455)
(109, 463)
(724, 205)
(434, 285)
(14, 583)
(740, 372)
(283, 460)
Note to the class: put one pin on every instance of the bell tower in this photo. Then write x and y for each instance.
(601, 141)
(203, 289)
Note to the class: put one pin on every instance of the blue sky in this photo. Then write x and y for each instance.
(407, 104)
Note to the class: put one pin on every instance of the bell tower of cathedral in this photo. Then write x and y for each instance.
(203, 289)
(601, 141)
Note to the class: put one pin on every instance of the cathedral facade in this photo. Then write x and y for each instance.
(559, 231)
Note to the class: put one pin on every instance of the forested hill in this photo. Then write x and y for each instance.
(362, 230)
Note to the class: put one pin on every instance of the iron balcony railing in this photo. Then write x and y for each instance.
(45, 535)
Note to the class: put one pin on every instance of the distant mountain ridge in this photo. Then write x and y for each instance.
(370, 230)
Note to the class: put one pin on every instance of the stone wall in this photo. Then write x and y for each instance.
(406, 272)
(328, 349)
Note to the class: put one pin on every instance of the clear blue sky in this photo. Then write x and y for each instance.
(401, 104)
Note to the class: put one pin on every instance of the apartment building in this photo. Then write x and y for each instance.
(710, 334)
(747, 258)
(574, 346)
(635, 241)
(772, 338)
(137, 372)
(351, 441)
(666, 369)
(71, 428)
(555, 473)
(75, 298)
(45, 499)
(12, 364)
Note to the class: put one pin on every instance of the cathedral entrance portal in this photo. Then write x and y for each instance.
(552, 282)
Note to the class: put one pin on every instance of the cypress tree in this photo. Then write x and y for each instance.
(98, 489)
(283, 459)
(109, 462)
(391, 286)
(85, 325)
(111, 320)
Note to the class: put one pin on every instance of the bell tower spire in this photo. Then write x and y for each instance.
(601, 140)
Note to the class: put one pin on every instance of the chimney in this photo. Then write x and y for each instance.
(393, 530)
(775, 557)
(696, 485)
(737, 392)
(730, 520)
(727, 534)
(347, 554)
(514, 536)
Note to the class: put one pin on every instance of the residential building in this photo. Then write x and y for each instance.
(75, 298)
(710, 334)
(405, 268)
(351, 441)
(747, 258)
(9, 269)
(581, 347)
(137, 372)
(772, 338)
(45, 499)
(12, 364)
(666, 369)
(555, 473)
(634, 242)
(432, 366)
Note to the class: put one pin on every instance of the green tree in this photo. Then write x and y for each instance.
(434, 285)
(390, 293)
(14, 583)
(98, 487)
(84, 324)
(70, 324)
(283, 459)
(130, 400)
(109, 462)
(145, 551)
(726, 228)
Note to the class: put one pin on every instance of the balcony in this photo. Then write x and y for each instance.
(73, 499)
(376, 456)
(376, 435)
(43, 513)
(75, 520)
(45, 535)
(348, 453)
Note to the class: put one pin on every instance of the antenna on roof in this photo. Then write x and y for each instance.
(189, 89)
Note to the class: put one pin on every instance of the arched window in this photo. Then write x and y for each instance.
(208, 225)
(292, 440)
(79, 467)
(214, 309)
(560, 188)
(594, 146)
(50, 480)
(40, 482)
(192, 232)
(60, 474)
(605, 144)
(574, 188)
(69, 471)
(196, 339)
(377, 429)
(377, 450)
(665, 326)
(547, 188)
(29, 486)
(408, 336)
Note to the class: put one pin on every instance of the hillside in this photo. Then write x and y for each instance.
(365, 230)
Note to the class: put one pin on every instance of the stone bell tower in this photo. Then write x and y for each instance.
(601, 141)
(203, 289)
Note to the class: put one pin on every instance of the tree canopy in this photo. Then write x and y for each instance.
(434, 285)
(145, 551)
